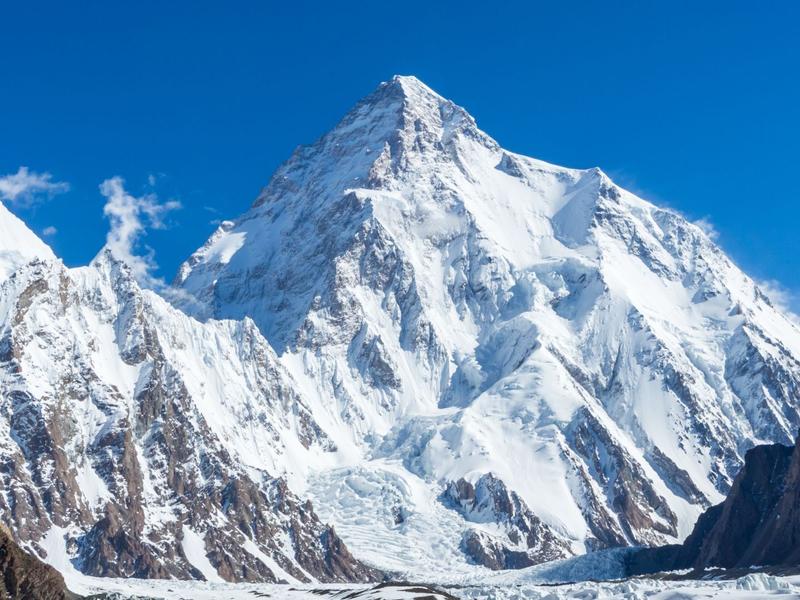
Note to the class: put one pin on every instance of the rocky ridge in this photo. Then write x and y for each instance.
(112, 445)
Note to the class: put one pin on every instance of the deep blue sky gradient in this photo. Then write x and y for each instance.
(695, 105)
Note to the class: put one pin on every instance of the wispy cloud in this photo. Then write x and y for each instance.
(784, 299)
(26, 187)
(708, 228)
(130, 216)
(49, 231)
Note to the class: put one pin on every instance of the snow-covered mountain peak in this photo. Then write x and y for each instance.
(18, 244)
(466, 357)
(389, 129)
(410, 84)
(110, 266)
(452, 309)
(407, 94)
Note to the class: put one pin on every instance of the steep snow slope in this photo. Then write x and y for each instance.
(450, 309)
(18, 244)
(138, 442)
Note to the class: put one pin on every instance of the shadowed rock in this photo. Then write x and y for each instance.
(25, 576)
(758, 524)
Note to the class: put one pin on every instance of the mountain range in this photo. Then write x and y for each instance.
(416, 353)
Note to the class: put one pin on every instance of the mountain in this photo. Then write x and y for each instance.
(450, 310)
(121, 423)
(18, 244)
(416, 353)
(758, 524)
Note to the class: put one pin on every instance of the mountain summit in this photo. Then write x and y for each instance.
(18, 244)
(455, 313)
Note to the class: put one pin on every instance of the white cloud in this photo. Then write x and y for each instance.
(130, 217)
(26, 187)
(49, 231)
(708, 228)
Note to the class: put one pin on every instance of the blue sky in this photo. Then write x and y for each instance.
(695, 105)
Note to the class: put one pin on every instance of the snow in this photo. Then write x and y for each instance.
(750, 587)
(226, 247)
(642, 589)
(194, 548)
(56, 555)
(18, 244)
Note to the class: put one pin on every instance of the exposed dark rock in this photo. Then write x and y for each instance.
(26, 577)
(681, 480)
(758, 524)
(639, 507)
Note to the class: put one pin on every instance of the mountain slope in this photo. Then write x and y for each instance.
(450, 309)
(122, 421)
(18, 244)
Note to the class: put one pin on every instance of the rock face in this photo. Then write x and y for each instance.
(25, 576)
(523, 540)
(454, 308)
(122, 433)
(758, 524)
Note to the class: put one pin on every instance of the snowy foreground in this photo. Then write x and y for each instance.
(750, 587)
(543, 581)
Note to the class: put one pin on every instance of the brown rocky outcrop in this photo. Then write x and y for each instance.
(26, 577)
(758, 524)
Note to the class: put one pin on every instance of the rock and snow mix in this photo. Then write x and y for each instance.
(451, 310)
(466, 358)
(122, 418)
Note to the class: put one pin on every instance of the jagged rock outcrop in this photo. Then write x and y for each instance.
(524, 540)
(758, 524)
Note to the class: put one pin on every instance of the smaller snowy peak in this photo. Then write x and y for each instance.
(18, 244)
(109, 265)
(219, 246)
